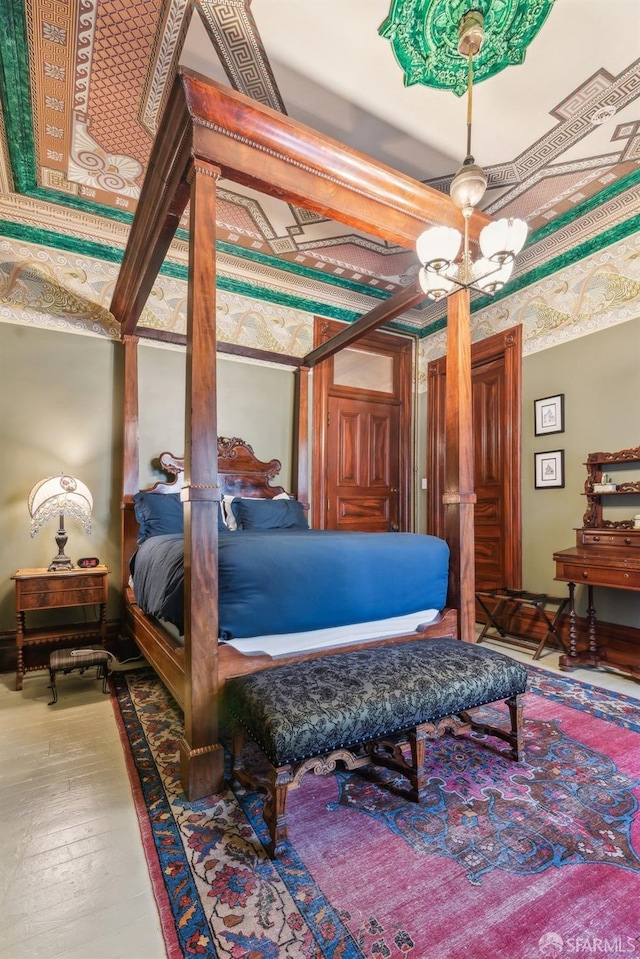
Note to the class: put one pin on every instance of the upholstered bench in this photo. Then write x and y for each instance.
(376, 705)
(66, 660)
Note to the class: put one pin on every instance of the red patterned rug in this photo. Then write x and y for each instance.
(503, 860)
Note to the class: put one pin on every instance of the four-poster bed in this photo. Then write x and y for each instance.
(210, 131)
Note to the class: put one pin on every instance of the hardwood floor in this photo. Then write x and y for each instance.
(605, 679)
(74, 878)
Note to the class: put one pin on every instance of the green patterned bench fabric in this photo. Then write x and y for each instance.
(308, 708)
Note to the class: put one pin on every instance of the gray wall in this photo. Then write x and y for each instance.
(599, 375)
(61, 402)
(255, 403)
(61, 397)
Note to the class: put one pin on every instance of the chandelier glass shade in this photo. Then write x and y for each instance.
(500, 241)
(57, 496)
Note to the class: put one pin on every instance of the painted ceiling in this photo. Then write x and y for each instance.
(557, 130)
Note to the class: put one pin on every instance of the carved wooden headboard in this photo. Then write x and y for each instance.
(240, 473)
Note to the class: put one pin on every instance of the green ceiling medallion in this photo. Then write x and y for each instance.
(424, 38)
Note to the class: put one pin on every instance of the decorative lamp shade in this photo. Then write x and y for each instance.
(502, 240)
(492, 277)
(438, 247)
(434, 284)
(59, 496)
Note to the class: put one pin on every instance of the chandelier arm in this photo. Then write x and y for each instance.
(478, 289)
(452, 277)
(461, 283)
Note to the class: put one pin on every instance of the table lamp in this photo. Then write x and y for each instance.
(57, 496)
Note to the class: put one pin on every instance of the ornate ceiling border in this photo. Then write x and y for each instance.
(234, 34)
(100, 232)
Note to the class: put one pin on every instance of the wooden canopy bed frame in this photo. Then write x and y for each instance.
(209, 131)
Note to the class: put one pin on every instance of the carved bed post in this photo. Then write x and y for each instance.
(201, 756)
(300, 467)
(130, 454)
(459, 497)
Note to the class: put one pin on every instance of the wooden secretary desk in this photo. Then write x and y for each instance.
(607, 551)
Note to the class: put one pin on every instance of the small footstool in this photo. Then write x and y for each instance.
(66, 660)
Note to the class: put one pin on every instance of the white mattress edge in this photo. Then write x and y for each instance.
(285, 644)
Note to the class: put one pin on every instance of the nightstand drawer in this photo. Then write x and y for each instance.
(42, 593)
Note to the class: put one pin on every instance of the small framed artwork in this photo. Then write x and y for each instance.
(549, 414)
(549, 469)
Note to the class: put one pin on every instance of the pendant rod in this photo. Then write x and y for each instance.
(472, 50)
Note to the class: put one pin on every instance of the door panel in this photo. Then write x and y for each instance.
(345, 438)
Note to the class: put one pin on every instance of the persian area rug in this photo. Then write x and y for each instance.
(503, 861)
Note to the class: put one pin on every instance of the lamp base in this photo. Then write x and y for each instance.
(60, 562)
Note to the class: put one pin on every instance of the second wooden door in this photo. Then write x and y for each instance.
(362, 434)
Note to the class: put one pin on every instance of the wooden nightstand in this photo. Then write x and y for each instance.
(38, 589)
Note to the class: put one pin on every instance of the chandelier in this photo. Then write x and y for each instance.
(500, 241)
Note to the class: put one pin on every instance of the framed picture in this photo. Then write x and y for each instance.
(549, 414)
(549, 469)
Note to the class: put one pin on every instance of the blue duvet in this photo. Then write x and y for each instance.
(283, 581)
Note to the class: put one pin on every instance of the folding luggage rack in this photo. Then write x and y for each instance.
(508, 603)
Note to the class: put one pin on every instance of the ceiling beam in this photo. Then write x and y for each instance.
(268, 151)
(379, 315)
(163, 200)
(274, 154)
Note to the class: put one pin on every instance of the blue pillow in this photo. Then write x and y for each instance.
(269, 514)
(162, 513)
(157, 514)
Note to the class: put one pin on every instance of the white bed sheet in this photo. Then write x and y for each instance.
(286, 643)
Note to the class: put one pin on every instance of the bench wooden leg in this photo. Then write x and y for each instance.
(237, 751)
(391, 755)
(513, 736)
(274, 783)
(275, 810)
(418, 777)
(515, 704)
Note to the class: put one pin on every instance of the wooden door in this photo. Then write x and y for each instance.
(363, 468)
(496, 408)
(362, 434)
(487, 392)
